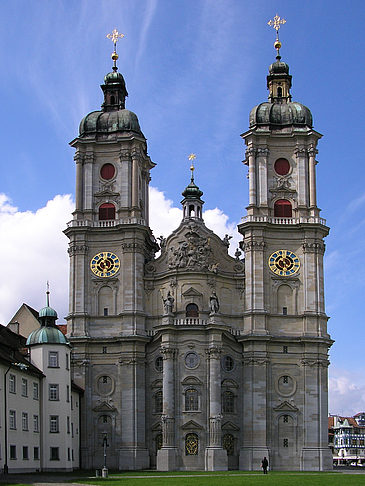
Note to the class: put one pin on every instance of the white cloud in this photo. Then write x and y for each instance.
(33, 250)
(346, 392)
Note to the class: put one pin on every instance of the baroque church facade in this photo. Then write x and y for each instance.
(195, 360)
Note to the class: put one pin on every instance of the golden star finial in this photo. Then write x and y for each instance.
(192, 157)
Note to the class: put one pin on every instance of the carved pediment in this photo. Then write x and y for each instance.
(191, 292)
(191, 425)
(104, 407)
(156, 384)
(230, 426)
(286, 407)
(191, 380)
(156, 427)
(229, 383)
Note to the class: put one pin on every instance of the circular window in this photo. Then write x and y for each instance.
(227, 363)
(159, 363)
(107, 172)
(191, 360)
(286, 385)
(282, 167)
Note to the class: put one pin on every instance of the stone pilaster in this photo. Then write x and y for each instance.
(215, 456)
(167, 455)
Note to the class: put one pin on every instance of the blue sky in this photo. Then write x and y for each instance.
(193, 69)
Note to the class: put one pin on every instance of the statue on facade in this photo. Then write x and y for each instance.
(226, 240)
(237, 254)
(213, 303)
(168, 303)
(162, 242)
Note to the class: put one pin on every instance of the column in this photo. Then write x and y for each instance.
(135, 184)
(215, 456)
(312, 177)
(167, 455)
(302, 177)
(262, 156)
(250, 156)
(79, 181)
(88, 182)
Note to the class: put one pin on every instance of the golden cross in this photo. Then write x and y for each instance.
(276, 23)
(115, 36)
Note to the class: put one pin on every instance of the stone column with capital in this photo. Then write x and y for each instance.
(312, 180)
(262, 160)
(251, 159)
(167, 455)
(215, 456)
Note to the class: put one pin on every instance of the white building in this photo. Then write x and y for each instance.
(39, 418)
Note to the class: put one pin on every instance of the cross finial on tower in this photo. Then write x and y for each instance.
(192, 157)
(115, 36)
(276, 23)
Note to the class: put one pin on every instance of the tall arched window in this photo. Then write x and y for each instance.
(192, 310)
(191, 445)
(282, 208)
(107, 211)
(191, 400)
(228, 402)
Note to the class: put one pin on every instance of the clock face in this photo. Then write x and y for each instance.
(105, 264)
(284, 263)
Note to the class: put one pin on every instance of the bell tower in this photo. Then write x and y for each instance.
(285, 340)
(110, 242)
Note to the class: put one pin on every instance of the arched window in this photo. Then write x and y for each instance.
(191, 445)
(191, 211)
(112, 100)
(280, 91)
(282, 208)
(228, 402)
(191, 400)
(158, 402)
(107, 211)
(228, 444)
(192, 310)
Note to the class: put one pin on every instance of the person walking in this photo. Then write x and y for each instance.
(264, 465)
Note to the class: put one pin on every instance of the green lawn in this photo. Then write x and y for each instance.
(229, 479)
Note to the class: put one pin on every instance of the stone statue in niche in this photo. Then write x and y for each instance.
(213, 303)
(168, 303)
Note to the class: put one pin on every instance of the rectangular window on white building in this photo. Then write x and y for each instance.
(25, 452)
(55, 454)
(68, 425)
(35, 391)
(53, 392)
(68, 454)
(35, 423)
(13, 452)
(36, 453)
(24, 387)
(67, 393)
(67, 361)
(12, 419)
(54, 424)
(53, 359)
(25, 425)
(12, 384)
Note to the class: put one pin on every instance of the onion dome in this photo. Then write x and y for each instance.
(192, 191)
(48, 332)
(46, 335)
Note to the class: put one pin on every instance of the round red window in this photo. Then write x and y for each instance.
(107, 171)
(282, 167)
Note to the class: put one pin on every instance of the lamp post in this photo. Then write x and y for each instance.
(104, 472)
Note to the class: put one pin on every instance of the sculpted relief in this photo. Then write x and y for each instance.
(194, 252)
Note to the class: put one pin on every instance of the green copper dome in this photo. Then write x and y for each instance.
(281, 114)
(46, 335)
(109, 122)
(192, 191)
(48, 312)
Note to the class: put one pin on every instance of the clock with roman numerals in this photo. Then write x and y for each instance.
(105, 264)
(284, 263)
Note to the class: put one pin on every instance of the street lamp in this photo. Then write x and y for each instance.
(104, 472)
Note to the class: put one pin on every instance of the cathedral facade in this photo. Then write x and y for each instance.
(195, 360)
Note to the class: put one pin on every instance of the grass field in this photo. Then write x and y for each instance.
(230, 479)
